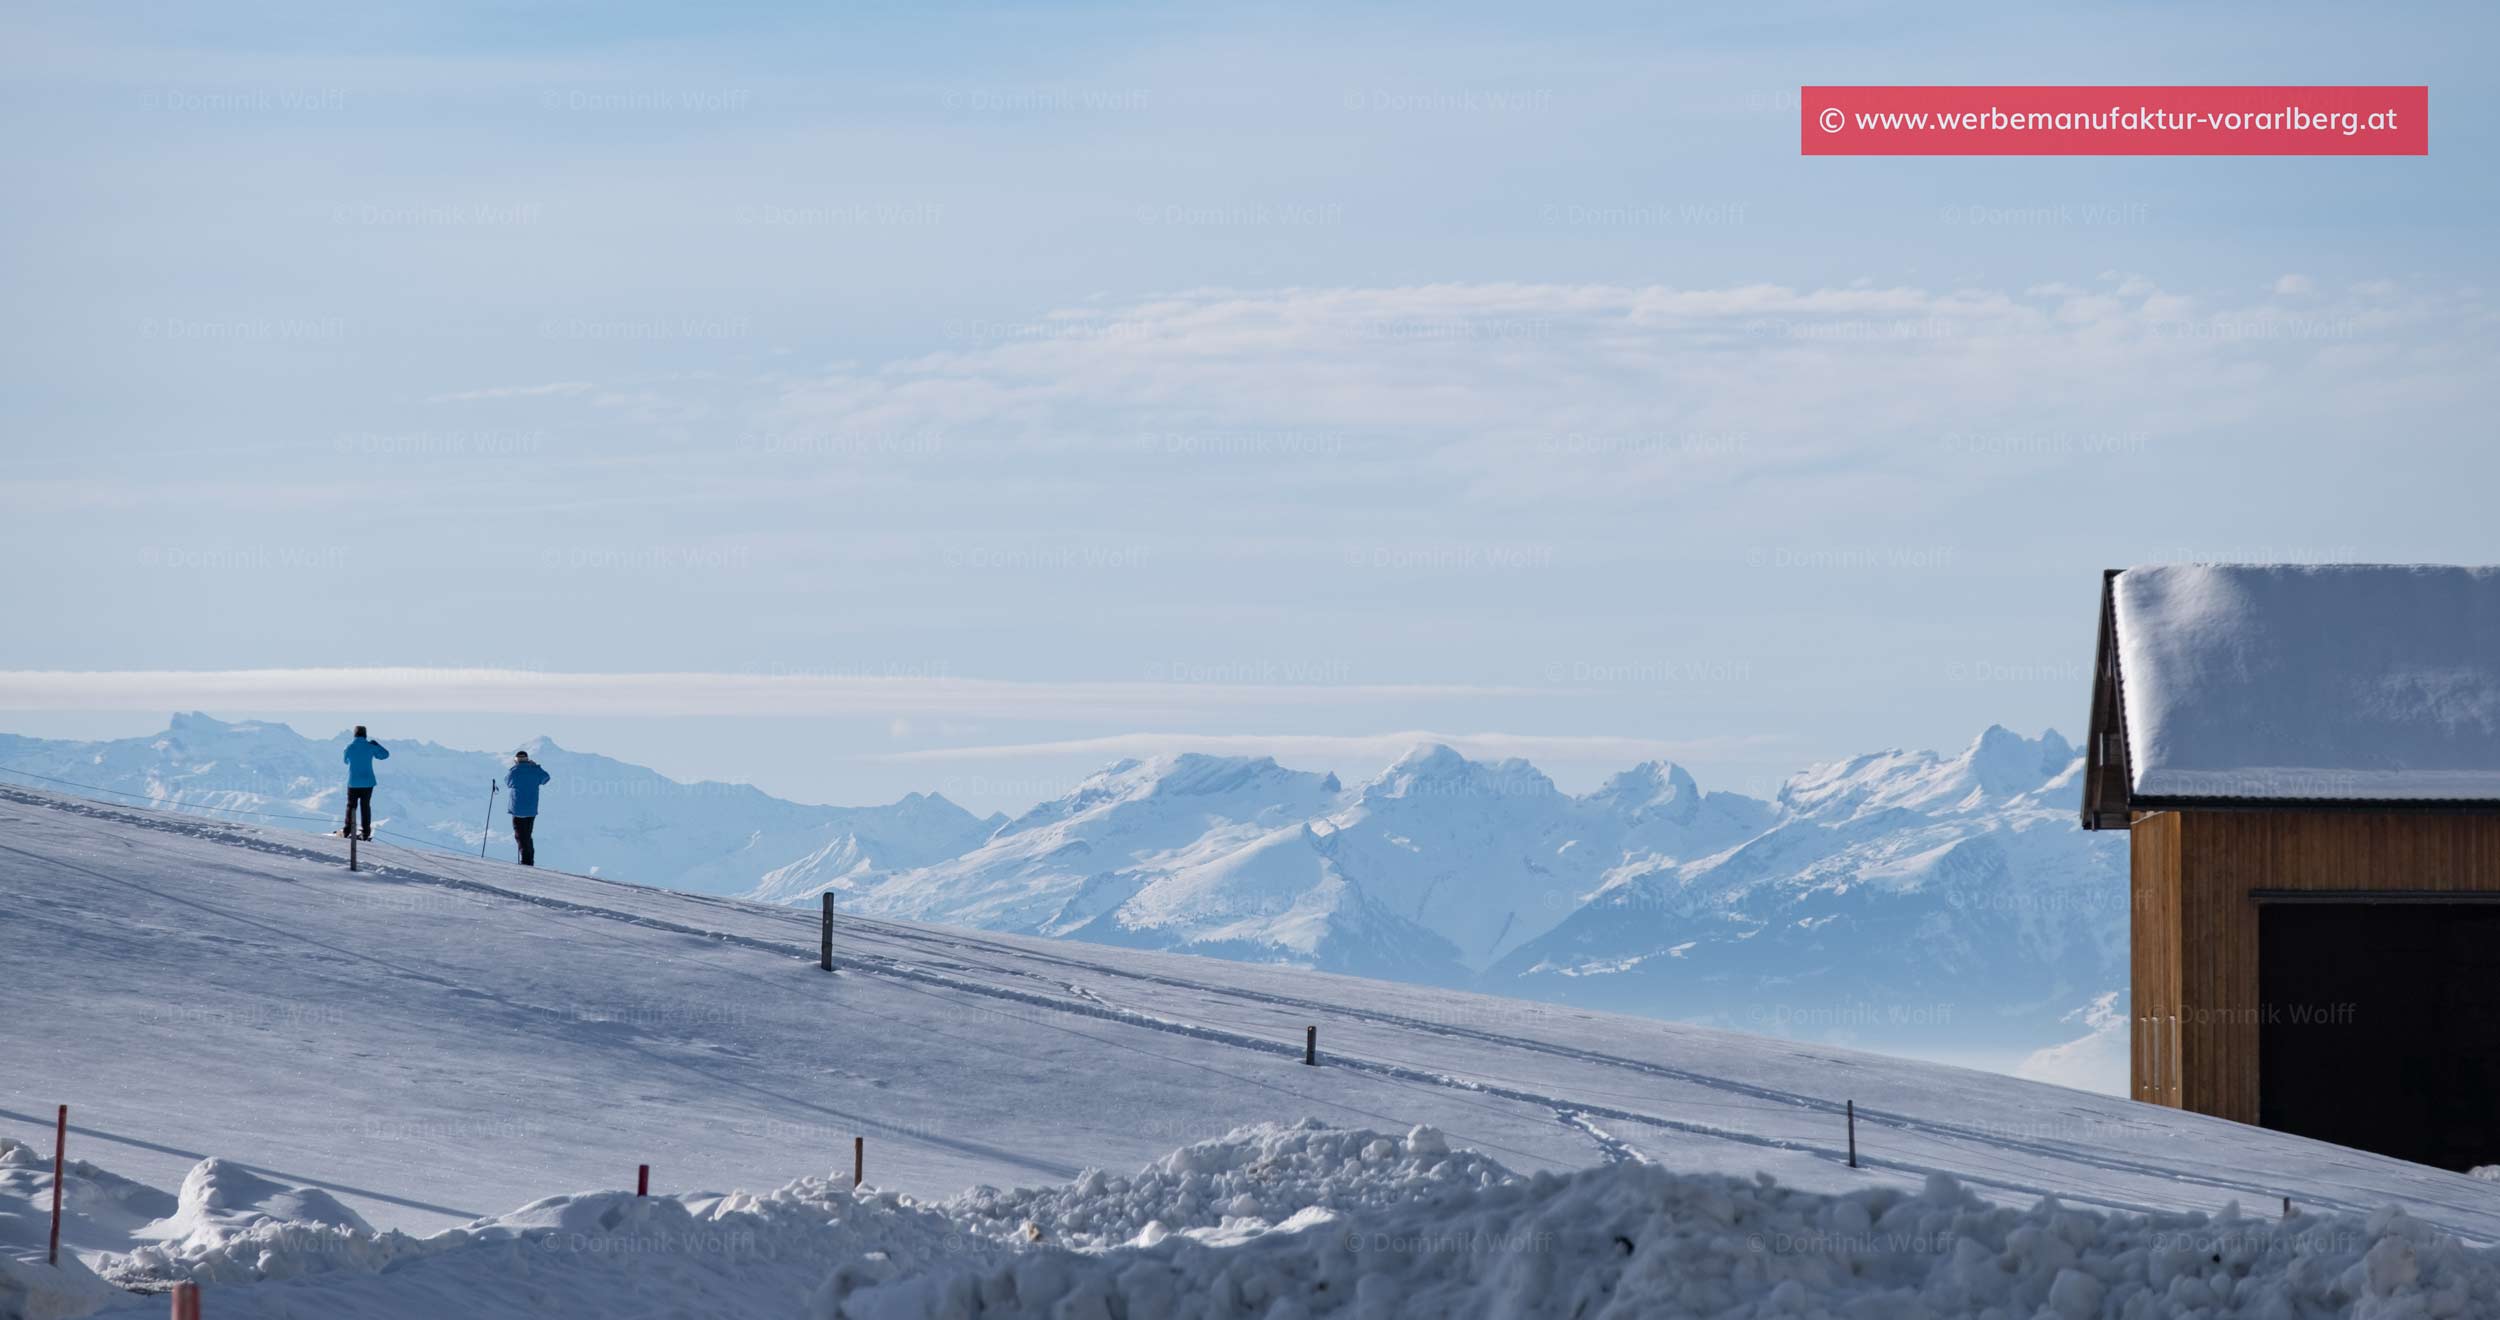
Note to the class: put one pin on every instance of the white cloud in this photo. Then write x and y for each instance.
(775, 693)
(515, 392)
(2295, 286)
(1523, 392)
(1382, 747)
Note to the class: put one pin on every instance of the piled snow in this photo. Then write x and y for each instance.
(613, 1253)
(2328, 681)
(1267, 1173)
(1630, 1239)
(230, 1223)
(95, 1206)
(1269, 1221)
(263, 1249)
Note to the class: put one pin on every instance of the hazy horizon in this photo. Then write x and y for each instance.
(980, 793)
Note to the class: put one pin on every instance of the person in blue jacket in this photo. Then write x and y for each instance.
(523, 779)
(360, 756)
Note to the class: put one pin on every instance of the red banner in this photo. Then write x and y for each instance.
(2114, 121)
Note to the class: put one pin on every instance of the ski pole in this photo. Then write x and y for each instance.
(489, 827)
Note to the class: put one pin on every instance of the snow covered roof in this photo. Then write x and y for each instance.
(2297, 684)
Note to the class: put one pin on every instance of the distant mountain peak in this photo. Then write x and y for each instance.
(2002, 762)
(1431, 758)
(1649, 783)
(1436, 769)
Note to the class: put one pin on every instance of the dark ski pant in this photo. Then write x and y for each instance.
(360, 797)
(521, 826)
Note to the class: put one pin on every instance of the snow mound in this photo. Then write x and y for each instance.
(1251, 1177)
(1285, 1222)
(232, 1225)
(1636, 1240)
(95, 1205)
(583, 1254)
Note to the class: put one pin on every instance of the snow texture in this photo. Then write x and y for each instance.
(1296, 1220)
(1638, 1240)
(2324, 681)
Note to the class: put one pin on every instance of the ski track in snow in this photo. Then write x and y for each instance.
(957, 949)
(1615, 1149)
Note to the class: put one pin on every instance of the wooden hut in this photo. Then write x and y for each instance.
(2308, 760)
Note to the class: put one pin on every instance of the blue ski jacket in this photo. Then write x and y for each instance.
(360, 756)
(523, 779)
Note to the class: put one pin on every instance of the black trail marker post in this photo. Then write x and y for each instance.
(1853, 1134)
(60, 1143)
(859, 1160)
(351, 850)
(824, 942)
(1310, 1047)
(642, 1180)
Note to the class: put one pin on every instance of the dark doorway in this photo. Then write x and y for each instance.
(2380, 1027)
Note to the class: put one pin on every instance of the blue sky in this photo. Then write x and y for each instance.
(1016, 388)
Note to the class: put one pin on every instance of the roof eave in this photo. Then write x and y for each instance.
(2446, 806)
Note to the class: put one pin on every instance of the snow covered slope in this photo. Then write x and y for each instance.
(608, 814)
(436, 1039)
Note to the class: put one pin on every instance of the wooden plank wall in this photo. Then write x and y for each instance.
(2198, 942)
(2153, 953)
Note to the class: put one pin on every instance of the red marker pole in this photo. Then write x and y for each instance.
(642, 1180)
(60, 1144)
(186, 1301)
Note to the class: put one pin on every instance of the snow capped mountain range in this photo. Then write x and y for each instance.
(1905, 900)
